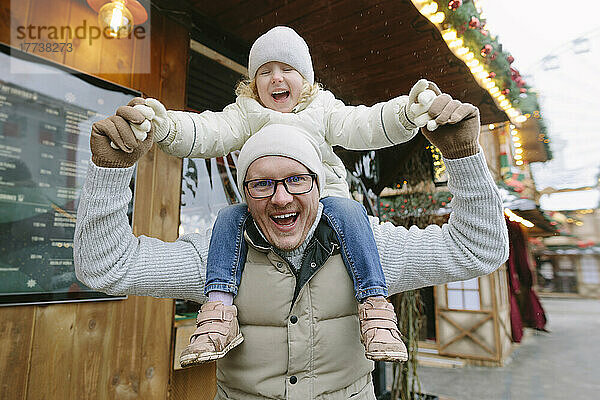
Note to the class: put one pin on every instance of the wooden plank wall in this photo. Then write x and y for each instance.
(114, 349)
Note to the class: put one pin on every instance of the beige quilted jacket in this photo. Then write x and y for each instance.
(302, 351)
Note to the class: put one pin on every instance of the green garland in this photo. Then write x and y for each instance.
(396, 209)
(467, 22)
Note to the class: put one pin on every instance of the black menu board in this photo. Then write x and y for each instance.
(46, 113)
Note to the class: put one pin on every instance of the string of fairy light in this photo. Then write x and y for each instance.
(430, 10)
(517, 146)
(514, 217)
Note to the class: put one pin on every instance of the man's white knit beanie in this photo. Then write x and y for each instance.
(281, 44)
(280, 140)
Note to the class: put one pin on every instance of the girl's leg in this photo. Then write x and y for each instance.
(349, 220)
(227, 251)
(217, 327)
(378, 323)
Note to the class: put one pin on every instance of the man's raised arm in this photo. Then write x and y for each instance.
(108, 257)
(475, 240)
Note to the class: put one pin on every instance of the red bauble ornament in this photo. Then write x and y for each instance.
(523, 90)
(487, 49)
(492, 75)
(505, 91)
(484, 32)
(474, 23)
(510, 59)
(454, 4)
(520, 82)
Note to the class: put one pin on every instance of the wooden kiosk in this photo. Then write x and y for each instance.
(472, 323)
(109, 349)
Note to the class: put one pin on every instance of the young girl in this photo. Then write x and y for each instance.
(281, 90)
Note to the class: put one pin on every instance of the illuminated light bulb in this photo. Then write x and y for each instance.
(496, 93)
(429, 8)
(519, 162)
(462, 51)
(455, 44)
(502, 98)
(504, 103)
(512, 126)
(482, 74)
(477, 69)
(472, 63)
(518, 157)
(495, 90)
(514, 131)
(517, 144)
(491, 126)
(490, 85)
(437, 18)
(116, 19)
(516, 138)
(514, 217)
(469, 56)
(512, 112)
(449, 35)
(521, 118)
(519, 151)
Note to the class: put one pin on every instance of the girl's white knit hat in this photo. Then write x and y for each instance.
(281, 44)
(280, 140)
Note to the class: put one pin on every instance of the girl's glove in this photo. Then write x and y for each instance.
(159, 122)
(146, 116)
(457, 125)
(421, 96)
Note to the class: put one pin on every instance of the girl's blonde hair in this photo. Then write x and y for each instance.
(247, 88)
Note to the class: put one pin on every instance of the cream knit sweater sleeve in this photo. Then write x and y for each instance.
(109, 258)
(474, 241)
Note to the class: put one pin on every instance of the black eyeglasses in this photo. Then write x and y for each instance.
(295, 184)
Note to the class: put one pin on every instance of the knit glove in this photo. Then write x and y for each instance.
(139, 119)
(421, 96)
(458, 127)
(115, 131)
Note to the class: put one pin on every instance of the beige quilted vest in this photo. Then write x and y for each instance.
(310, 352)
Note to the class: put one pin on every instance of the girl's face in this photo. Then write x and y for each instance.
(279, 86)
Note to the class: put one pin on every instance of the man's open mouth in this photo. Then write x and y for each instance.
(280, 95)
(285, 219)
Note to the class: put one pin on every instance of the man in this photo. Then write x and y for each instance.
(296, 306)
